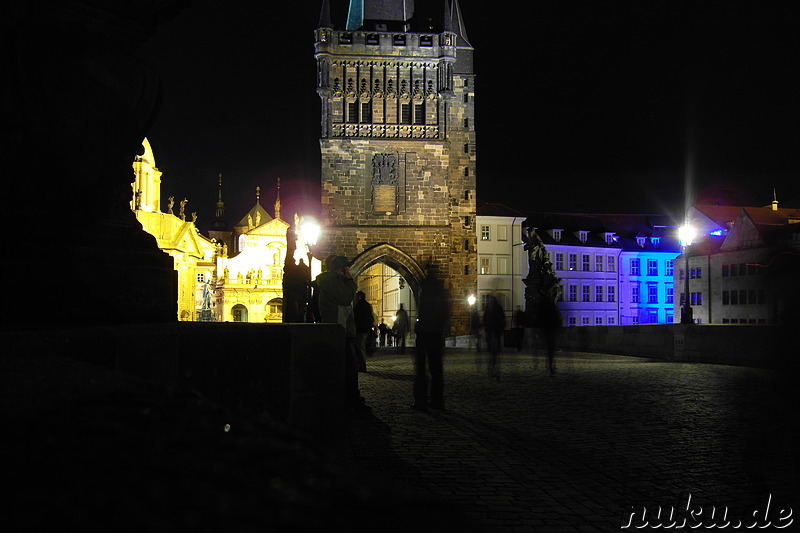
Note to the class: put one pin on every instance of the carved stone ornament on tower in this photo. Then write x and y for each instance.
(384, 183)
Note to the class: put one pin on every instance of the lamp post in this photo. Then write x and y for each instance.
(686, 234)
(309, 230)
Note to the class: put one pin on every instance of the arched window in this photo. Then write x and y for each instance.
(239, 313)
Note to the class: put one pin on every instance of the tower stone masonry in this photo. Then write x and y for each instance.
(397, 90)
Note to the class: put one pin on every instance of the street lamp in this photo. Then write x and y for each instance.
(686, 234)
(309, 230)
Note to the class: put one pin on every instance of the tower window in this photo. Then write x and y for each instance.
(405, 113)
(345, 38)
(466, 171)
(372, 38)
(466, 148)
(466, 195)
(352, 112)
(366, 112)
(466, 123)
(399, 40)
(426, 40)
(466, 98)
(419, 114)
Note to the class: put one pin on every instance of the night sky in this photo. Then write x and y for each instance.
(581, 106)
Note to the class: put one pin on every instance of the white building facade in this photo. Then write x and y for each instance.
(502, 260)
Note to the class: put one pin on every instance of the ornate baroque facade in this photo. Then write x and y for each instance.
(398, 145)
(193, 255)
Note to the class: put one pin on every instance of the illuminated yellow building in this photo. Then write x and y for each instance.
(249, 284)
(238, 275)
(193, 255)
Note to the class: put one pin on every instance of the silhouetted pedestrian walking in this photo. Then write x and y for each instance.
(494, 324)
(519, 324)
(548, 318)
(431, 327)
(475, 327)
(383, 331)
(365, 328)
(400, 329)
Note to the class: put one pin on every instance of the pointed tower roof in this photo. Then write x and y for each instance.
(325, 15)
(457, 25)
(257, 215)
(219, 223)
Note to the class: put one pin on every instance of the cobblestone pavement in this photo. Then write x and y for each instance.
(572, 452)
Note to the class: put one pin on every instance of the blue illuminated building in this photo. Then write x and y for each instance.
(614, 269)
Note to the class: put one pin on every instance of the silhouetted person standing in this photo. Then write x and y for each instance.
(549, 319)
(337, 289)
(365, 328)
(431, 327)
(383, 330)
(400, 329)
(494, 324)
(519, 328)
(475, 327)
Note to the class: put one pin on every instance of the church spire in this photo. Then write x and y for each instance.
(325, 15)
(278, 201)
(457, 23)
(219, 222)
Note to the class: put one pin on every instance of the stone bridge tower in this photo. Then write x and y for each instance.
(398, 142)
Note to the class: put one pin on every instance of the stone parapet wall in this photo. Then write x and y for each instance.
(292, 372)
(744, 345)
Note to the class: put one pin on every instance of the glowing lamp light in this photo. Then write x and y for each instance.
(686, 234)
(471, 299)
(310, 231)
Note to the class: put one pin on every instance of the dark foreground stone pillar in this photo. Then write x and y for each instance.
(76, 104)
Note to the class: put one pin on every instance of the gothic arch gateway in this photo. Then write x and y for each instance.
(393, 257)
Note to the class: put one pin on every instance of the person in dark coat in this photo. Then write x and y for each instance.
(383, 331)
(336, 290)
(475, 327)
(365, 328)
(494, 324)
(519, 328)
(431, 327)
(549, 319)
(400, 329)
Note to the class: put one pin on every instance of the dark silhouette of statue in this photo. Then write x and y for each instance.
(542, 288)
(295, 281)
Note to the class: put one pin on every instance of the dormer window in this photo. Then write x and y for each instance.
(640, 241)
(655, 240)
(557, 235)
(609, 238)
(583, 236)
